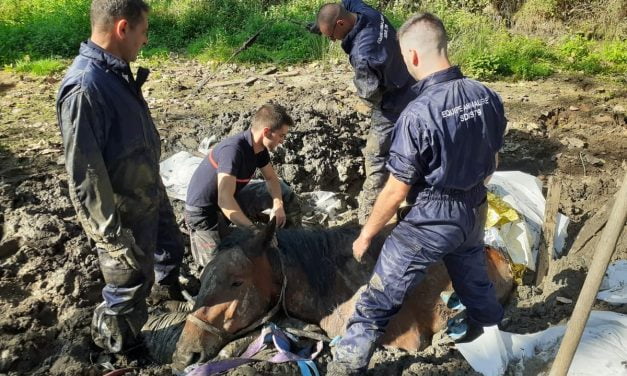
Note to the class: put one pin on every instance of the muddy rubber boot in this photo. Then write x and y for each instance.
(472, 333)
(116, 333)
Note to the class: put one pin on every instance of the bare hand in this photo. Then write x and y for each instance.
(279, 214)
(360, 247)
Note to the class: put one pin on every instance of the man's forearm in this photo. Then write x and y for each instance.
(274, 188)
(385, 207)
(234, 213)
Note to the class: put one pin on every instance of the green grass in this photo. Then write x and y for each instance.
(31, 31)
(41, 67)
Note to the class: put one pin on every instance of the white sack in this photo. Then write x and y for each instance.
(601, 352)
(524, 193)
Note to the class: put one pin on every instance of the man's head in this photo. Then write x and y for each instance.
(272, 122)
(334, 21)
(120, 26)
(423, 42)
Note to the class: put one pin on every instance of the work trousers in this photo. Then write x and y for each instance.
(441, 225)
(375, 154)
(158, 250)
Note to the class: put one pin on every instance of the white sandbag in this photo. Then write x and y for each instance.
(614, 286)
(524, 193)
(177, 171)
(324, 202)
(601, 352)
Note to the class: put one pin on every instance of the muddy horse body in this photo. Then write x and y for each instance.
(320, 281)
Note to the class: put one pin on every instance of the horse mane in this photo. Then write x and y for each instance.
(319, 253)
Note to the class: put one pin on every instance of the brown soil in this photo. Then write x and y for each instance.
(574, 128)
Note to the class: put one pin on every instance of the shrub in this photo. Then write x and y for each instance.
(211, 30)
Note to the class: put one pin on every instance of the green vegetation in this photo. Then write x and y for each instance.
(42, 67)
(490, 38)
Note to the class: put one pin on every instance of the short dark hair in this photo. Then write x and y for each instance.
(273, 116)
(432, 21)
(105, 12)
(329, 13)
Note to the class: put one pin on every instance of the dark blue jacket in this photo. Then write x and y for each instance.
(112, 152)
(448, 136)
(381, 76)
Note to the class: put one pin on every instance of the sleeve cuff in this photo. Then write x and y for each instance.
(402, 169)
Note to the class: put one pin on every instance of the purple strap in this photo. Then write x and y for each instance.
(270, 332)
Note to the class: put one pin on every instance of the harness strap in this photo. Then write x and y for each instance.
(207, 327)
(281, 341)
(215, 165)
(223, 334)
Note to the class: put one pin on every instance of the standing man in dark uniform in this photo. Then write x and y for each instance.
(381, 79)
(112, 152)
(444, 147)
(220, 184)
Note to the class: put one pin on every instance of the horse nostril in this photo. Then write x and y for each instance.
(197, 357)
(182, 360)
(194, 358)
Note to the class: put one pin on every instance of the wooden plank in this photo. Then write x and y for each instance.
(591, 228)
(244, 81)
(547, 239)
(268, 71)
(590, 288)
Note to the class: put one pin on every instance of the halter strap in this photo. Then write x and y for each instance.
(223, 334)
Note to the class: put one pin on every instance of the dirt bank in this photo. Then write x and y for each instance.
(571, 127)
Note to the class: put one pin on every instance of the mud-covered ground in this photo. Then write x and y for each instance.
(574, 128)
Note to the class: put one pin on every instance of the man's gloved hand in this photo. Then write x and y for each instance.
(313, 28)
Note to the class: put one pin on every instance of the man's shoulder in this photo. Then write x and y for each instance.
(478, 86)
(83, 76)
(231, 146)
(235, 141)
(366, 49)
(412, 114)
(358, 6)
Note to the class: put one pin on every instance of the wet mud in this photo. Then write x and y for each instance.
(49, 277)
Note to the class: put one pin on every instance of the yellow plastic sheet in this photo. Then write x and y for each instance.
(499, 212)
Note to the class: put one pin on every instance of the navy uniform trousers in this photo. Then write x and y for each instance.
(447, 225)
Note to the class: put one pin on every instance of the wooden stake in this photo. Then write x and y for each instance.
(244, 81)
(600, 261)
(547, 238)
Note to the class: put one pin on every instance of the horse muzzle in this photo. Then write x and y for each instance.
(196, 345)
(186, 354)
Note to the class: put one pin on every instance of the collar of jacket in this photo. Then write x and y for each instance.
(349, 39)
(248, 136)
(120, 67)
(448, 74)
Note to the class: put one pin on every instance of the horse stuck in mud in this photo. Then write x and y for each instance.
(313, 276)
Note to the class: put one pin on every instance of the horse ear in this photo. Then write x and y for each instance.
(269, 231)
(224, 228)
(264, 236)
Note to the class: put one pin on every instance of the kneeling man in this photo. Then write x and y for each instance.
(220, 184)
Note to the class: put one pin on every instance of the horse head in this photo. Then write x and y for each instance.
(238, 290)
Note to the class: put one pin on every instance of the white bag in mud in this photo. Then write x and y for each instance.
(601, 352)
(522, 238)
(614, 286)
(177, 171)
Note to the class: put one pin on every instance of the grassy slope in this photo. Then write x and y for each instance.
(33, 33)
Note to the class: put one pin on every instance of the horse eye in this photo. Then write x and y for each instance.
(236, 284)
